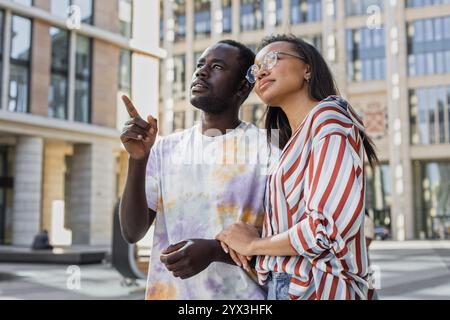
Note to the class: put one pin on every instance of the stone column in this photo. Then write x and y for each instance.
(27, 190)
(92, 196)
(402, 213)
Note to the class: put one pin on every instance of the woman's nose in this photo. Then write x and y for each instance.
(262, 72)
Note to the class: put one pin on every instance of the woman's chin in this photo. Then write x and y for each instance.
(268, 98)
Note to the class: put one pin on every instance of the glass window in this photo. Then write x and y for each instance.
(197, 116)
(419, 31)
(422, 116)
(161, 22)
(447, 61)
(125, 71)
(413, 117)
(1, 45)
(227, 16)
(57, 95)
(202, 18)
(179, 12)
(430, 63)
(86, 8)
(441, 106)
(179, 119)
(379, 194)
(252, 15)
(427, 47)
(448, 112)
(433, 192)
(438, 29)
(423, 3)
(179, 82)
(20, 64)
(315, 40)
(161, 81)
(303, 11)
(440, 62)
(366, 54)
(361, 7)
(61, 9)
(28, 3)
(258, 115)
(446, 22)
(83, 79)
(430, 114)
(197, 55)
(428, 30)
(279, 12)
(126, 18)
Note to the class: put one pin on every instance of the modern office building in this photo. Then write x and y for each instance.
(64, 65)
(391, 60)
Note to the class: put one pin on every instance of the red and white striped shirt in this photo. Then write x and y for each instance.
(315, 194)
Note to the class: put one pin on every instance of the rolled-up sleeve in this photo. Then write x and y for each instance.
(334, 198)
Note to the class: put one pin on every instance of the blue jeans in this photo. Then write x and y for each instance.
(278, 286)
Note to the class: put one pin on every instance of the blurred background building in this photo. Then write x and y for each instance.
(64, 65)
(391, 60)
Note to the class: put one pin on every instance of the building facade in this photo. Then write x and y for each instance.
(64, 65)
(391, 60)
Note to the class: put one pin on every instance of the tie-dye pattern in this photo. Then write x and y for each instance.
(197, 198)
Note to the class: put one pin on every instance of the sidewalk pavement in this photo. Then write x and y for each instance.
(412, 269)
(408, 270)
(61, 282)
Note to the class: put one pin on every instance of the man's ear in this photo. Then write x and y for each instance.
(244, 89)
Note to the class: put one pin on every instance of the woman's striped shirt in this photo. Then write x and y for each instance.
(315, 194)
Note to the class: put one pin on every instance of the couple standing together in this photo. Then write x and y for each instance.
(244, 213)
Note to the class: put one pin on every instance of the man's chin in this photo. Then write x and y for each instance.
(206, 104)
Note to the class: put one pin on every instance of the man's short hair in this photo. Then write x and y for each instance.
(246, 56)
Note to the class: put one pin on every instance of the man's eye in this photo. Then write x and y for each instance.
(216, 66)
(199, 65)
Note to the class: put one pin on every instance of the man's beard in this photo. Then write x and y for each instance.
(211, 104)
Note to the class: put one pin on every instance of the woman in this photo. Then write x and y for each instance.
(312, 244)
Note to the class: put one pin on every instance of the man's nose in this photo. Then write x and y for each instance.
(201, 72)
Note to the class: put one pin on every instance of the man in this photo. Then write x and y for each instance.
(196, 183)
(41, 241)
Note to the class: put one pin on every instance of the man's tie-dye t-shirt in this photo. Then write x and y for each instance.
(199, 185)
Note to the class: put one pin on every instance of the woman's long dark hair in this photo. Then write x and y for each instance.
(321, 86)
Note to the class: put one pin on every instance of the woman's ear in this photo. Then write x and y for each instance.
(308, 73)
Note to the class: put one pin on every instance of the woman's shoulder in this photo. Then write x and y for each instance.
(330, 116)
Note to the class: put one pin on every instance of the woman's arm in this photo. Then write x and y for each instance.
(334, 199)
(244, 239)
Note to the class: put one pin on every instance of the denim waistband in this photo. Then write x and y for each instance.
(279, 275)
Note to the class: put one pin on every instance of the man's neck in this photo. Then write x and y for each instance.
(218, 124)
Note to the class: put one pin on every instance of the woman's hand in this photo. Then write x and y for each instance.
(240, 260)
(240, 237)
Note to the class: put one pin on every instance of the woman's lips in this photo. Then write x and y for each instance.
(265, 85)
